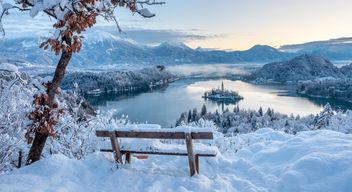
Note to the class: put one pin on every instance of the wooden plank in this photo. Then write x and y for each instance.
(155, 135)
(116, 148)
(197, 163)
(190, 154)
(158, 153)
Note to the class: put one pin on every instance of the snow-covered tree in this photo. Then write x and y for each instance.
(72, 18)
(324, 118)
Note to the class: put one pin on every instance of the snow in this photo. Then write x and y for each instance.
(148, 145)
(5, 6)
(157, 128)
(266, 160)
(36, 9)
(8, 67)
(145, 13)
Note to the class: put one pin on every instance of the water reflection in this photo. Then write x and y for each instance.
(223, 105)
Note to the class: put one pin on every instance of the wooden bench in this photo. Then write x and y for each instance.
(191, 150)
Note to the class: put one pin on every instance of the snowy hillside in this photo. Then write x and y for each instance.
(304, 67)
(265, 160)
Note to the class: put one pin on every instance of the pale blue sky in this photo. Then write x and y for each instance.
(225, 24)
(239, 24)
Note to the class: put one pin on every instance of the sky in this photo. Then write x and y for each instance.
(226, 24)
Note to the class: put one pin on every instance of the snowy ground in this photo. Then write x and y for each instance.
(266, 160)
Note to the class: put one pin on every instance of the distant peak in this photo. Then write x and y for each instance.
(174, 44)
(263, 47)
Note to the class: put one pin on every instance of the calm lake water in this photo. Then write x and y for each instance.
(164, 106)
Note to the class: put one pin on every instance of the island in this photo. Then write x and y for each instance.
(222, 95)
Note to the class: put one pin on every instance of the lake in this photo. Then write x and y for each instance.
(165, 105)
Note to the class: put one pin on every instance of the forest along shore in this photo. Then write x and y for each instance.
(117, 82)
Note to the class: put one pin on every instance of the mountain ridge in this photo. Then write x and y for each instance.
(107, 50)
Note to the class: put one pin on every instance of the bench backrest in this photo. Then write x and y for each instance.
(155, 135)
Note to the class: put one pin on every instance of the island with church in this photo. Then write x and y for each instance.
(222, 94)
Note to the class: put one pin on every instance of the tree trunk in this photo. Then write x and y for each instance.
(58, 76)
(36, 148)
(40, 138)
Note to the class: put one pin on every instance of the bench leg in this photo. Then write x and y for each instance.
(197, 163)
(191, 159)
(128, 158)
(115, 147)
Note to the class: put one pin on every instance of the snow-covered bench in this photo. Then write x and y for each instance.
(138, 141)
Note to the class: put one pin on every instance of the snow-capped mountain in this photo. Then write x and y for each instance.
(102, 48)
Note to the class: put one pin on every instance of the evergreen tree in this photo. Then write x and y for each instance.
(270, 113)
(226, 110)
(203, 111)
(254, 123)
(194, 114)
(298, 117)
(189, 117)
(287, 123)
(260, 111)
(236, 109)
(323, 119)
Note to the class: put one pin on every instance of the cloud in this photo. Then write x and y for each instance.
(155, 36)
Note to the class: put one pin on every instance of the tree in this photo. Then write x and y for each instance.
(270, 113)
(189, 117)
(287, 123)
(260, 111)
(194, 114)
(203, 111)
(72, 18)
(324, 118)
(236, 109)
(226, 110)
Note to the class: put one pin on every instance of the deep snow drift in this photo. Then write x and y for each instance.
(266, 160)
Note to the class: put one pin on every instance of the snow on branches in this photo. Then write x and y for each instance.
(74, 16)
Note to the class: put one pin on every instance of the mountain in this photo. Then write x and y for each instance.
(304, 67)
(333, 49)
(106, 49)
